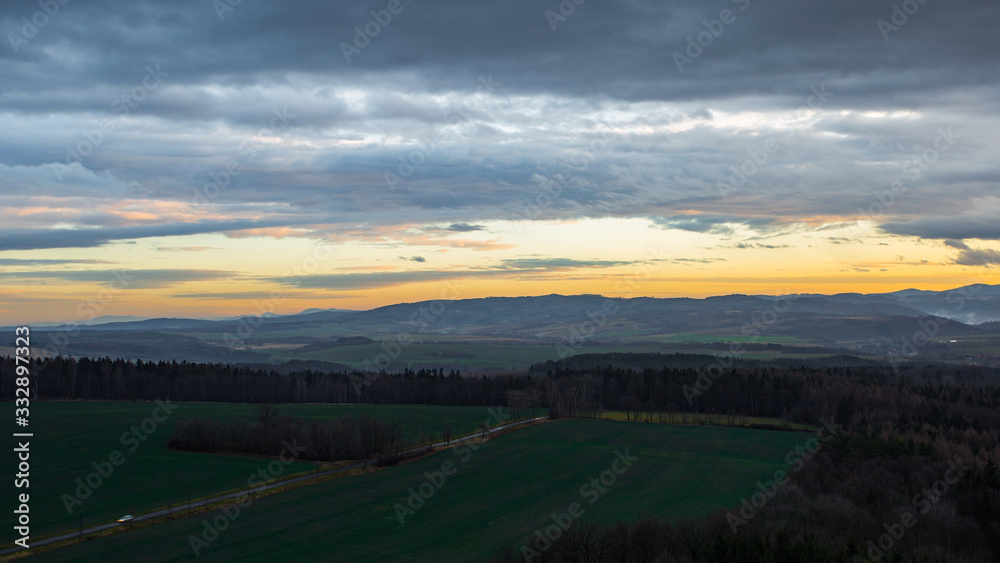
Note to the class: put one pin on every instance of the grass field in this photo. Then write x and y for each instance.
(705, 419)
(70, 436)
(498, 496)
(709, 338)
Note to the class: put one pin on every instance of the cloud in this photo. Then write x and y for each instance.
(46, 262)
(470, 244)
(958, 227)
(130, 279)
(959, 244)
(72, 180)
(768, 47)
(375, 280)
(591, 120)
(697, 260)
(273, 232)
(187, 248)
(248, 295)
(87, 238)
(464, 227)
(714, 224)
(559, 264)
(511, 267)
(747, 245)
(978, 257)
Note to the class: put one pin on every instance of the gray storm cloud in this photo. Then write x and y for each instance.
(476, 107)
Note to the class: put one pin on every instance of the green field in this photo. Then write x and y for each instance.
(711, 338)
(499, 496)
(704, 419)
(69, 436)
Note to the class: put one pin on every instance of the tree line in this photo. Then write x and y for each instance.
(954, 399)
(271, 434)
(903, 429)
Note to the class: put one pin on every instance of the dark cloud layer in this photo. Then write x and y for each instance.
(620, 49)
(955, 227)
(46, 262)
(978, 257)
(461, 113)
(84, 238)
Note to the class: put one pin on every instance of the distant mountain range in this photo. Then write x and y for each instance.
(112, 319)
(973, 304)
(828, 320)
(94, 321)
(970, 305)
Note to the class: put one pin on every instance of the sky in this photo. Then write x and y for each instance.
(222, 157)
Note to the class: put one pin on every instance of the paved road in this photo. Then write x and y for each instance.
(240, 494)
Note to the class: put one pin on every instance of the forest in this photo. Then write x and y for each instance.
(270, 434)
(913, 476)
